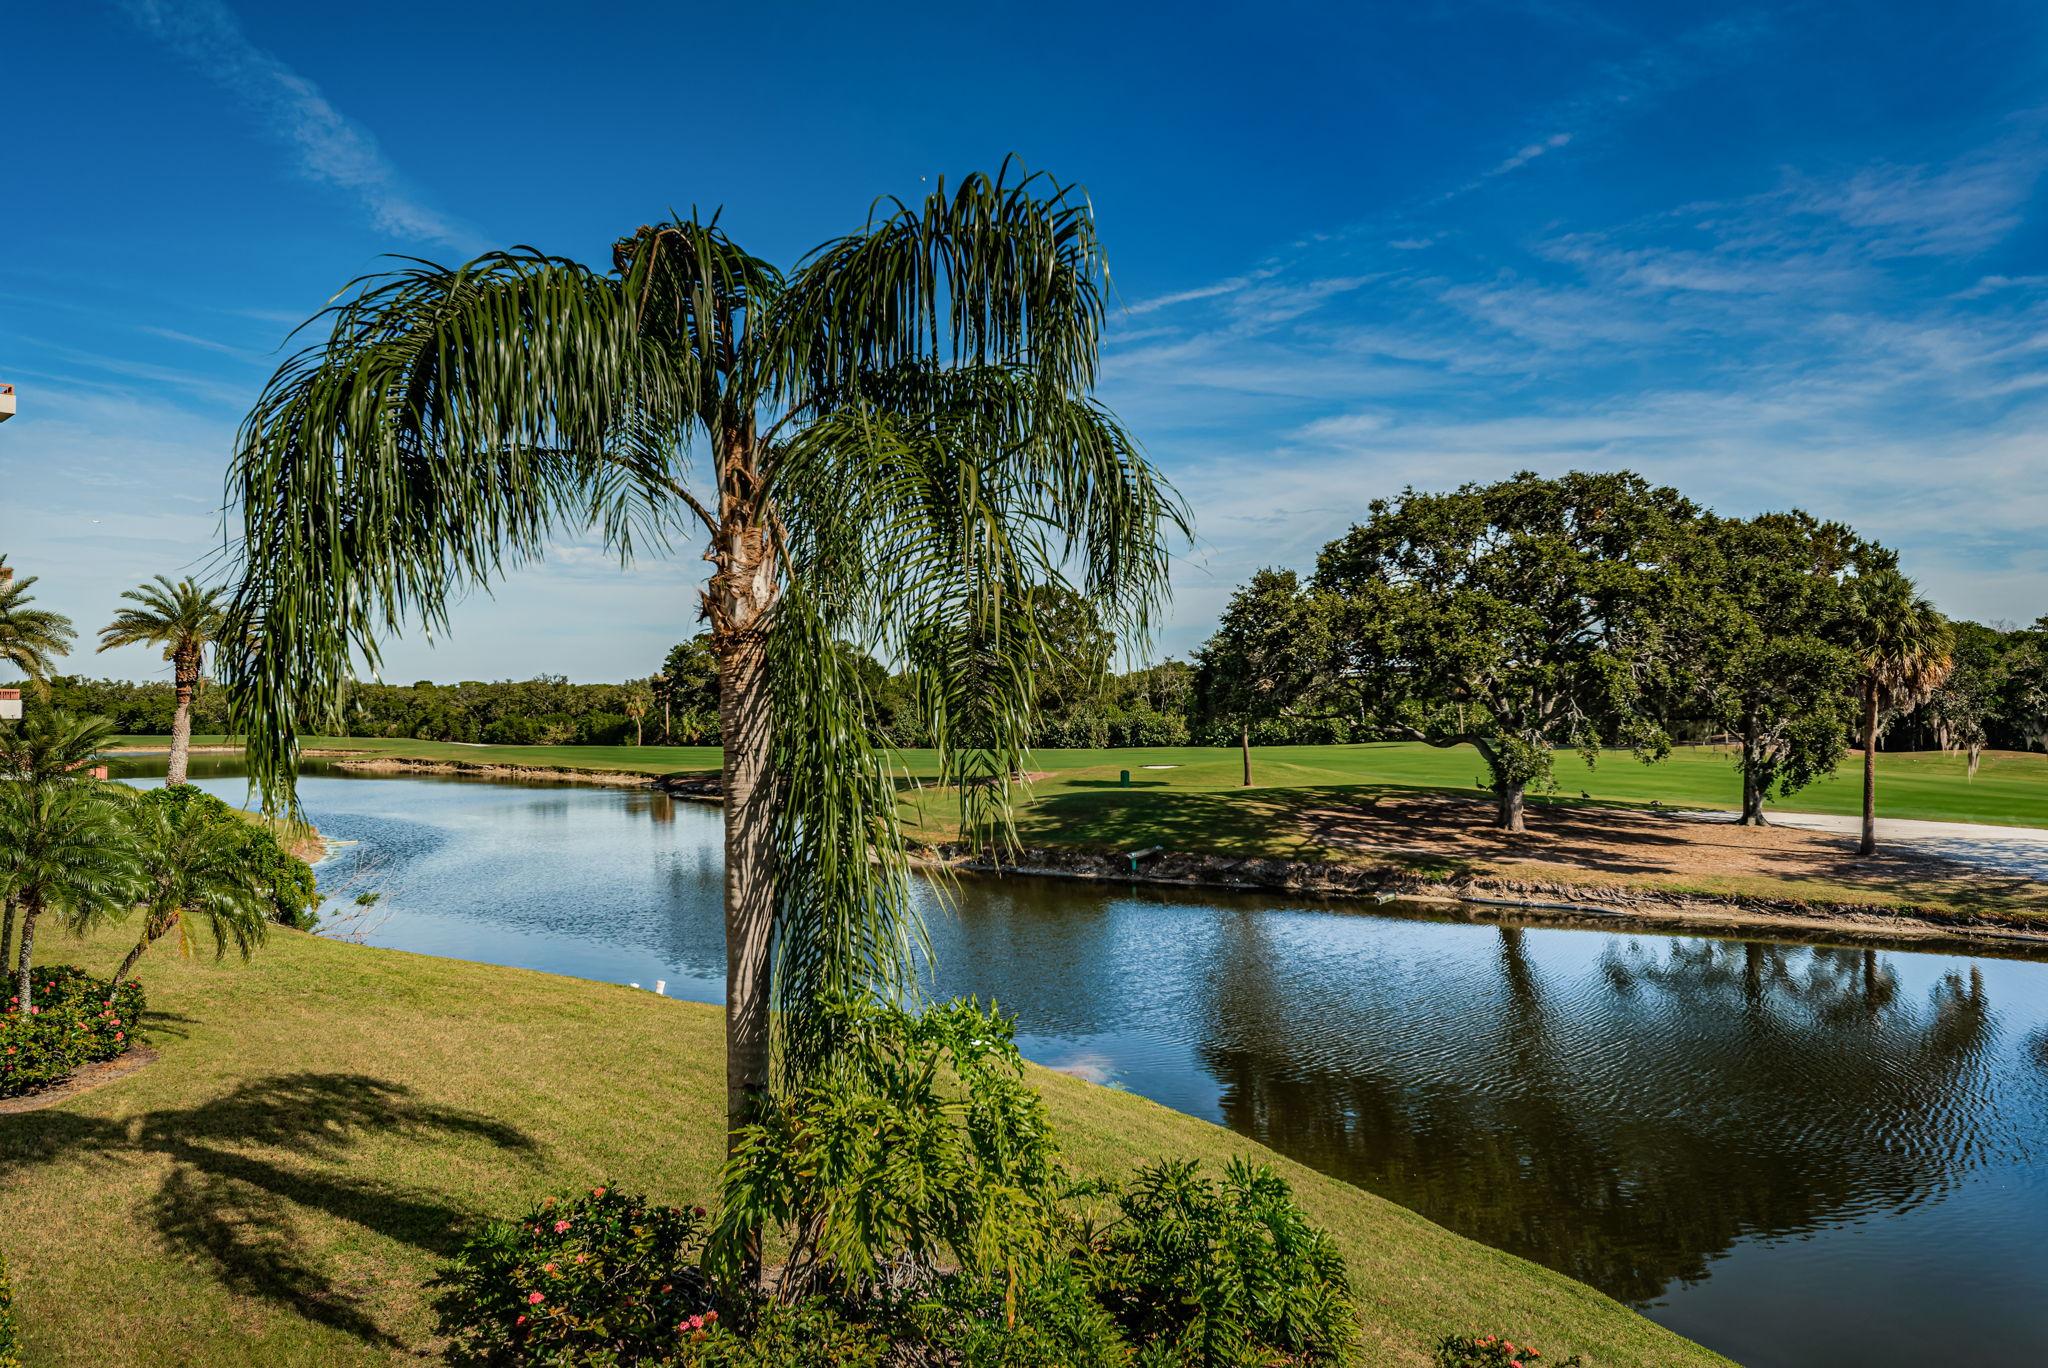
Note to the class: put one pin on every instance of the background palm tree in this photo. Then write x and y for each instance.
(191, 869)
(895, 441)
(1906, 648)
(65, 849)
(29, 637)
(184, 619)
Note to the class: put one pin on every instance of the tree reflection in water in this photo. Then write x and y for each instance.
(1628, 1126)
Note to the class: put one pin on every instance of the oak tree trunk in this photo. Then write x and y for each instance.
(1752, 789)
(1869, 844)
(1509, 795)
(1244, 739)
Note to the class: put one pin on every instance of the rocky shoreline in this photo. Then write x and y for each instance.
(1523, 900)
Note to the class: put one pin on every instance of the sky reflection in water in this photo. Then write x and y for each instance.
(1800, 1156)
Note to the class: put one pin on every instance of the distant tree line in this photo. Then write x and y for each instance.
(1588, 612)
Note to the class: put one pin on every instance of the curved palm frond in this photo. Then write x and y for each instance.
(30, 638)
(1002, 269)
(451, 423)
(51, 747)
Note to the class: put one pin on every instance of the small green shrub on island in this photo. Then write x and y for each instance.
(607, 1278)
(1491, 1351)
(76, 1020)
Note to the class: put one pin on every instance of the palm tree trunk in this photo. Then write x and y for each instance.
(1244, 739)
(1869, 843)
(740, 599)
(31, 908)
(154, 929)
(127, 964)
(6, 933)
(187, 674)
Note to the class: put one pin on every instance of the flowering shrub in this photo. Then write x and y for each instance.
(75, 1021)
(807, 1335)
(1491, 1351)
(604, 1278)
(10, 1329)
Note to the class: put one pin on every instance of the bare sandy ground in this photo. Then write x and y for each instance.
(1626, 841)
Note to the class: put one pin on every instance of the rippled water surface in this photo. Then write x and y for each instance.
(1801, 1156)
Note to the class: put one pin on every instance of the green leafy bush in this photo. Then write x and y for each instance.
(76, 1021)
(1221, 1275)
(1490, 1351)
(809, 1334)
(607, 1278)
(1045, 1320)
(918, 1138)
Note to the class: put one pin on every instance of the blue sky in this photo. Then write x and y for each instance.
(1774, 255)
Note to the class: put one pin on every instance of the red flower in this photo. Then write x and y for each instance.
(534, 1299)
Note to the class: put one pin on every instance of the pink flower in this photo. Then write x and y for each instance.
(561, 1226)
(534, 1299)
(120, 1035)
(696, 1322)
(520, 1321)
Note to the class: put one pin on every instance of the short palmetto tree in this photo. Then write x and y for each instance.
(184, 619)
(49, 750)
(192, 873)
(1905, 648)
(66, 850)
(30, 638)
(889, 443)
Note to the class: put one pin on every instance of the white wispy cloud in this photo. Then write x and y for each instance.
(1531, 153)
(326, 144)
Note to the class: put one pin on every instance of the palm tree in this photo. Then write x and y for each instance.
(49, 749)
(29, 637)
(184, 619)
(65, 849)
(638, 700)
(893, 441)
(1906, 648)
(191, 869)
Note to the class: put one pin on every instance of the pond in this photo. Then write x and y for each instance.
(1799, 1155)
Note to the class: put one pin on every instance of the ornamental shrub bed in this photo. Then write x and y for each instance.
(75, 1021)
(915, 1196)
(10, 1329)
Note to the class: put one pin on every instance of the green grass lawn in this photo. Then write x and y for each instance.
(326, 1122)
(2010, 789)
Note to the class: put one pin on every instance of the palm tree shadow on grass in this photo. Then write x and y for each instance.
(244, 1165)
